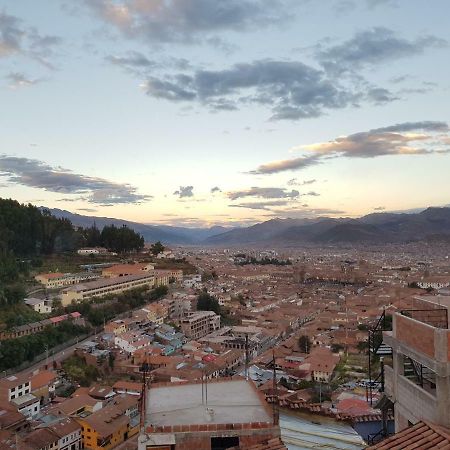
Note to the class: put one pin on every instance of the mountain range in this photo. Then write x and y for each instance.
(377, 228)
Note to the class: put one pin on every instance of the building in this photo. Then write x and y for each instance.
(14, 386)
(40, 439)
(93, 251)
(425, 436)
(196, 325)
(40, 305)
(230, 413)
(156, 312)
(60, 280)
(37, 327)
(68, 432)
(27, 404)
(43, 385)
(111, 425)
(123, 270)
(100, 288)
(418, 383)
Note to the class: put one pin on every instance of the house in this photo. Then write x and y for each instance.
(321, 363)
(13, 387)
(40, 305)
(127, 387)
(12, 420)
(111, 425)
(68, 432)
(27, 404)
(92, 251)
(40, 439)
(177, 418)
(156, 312)
(43, 385)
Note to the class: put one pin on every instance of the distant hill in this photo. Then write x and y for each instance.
(151, 233)
(432, 223)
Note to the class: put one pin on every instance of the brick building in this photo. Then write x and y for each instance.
(226, 413)
(418, 383)
(195, 325)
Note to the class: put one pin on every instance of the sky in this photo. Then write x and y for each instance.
(202, 112)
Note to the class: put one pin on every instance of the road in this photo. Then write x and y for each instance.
(58, 357)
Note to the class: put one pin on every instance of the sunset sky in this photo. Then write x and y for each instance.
(197, 112)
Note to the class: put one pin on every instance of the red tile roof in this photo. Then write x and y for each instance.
(421, 436)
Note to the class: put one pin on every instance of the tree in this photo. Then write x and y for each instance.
(304, 343)
(206, 302)
(121, 239)
(362, 346)
(157, 248)
(336, 348)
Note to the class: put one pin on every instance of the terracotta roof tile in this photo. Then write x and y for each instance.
(421, 436)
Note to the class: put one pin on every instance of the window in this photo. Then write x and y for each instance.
(222, 443)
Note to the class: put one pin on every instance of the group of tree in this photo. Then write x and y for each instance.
(157, 248)
(264, 261)
(101, 310)
(116, 239)
(27, 231)
(304, 344)
(14, 352)
(78, 371)
(207, 302)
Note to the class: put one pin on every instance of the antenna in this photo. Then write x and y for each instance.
(143, 408)
(275, 391)
(246, 357)
(203, 376)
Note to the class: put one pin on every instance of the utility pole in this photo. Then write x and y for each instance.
(275, 392)
(246, 357)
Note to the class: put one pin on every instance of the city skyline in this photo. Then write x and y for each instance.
(181, 113)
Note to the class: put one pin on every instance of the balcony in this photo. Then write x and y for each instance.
(416, 400)
(437, 318)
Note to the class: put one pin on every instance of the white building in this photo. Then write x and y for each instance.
(104, 287)
(27, 404)
(131, 342)
(68, 431)
(40, 305)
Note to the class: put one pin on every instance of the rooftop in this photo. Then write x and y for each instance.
(422, 435)
(234, 401)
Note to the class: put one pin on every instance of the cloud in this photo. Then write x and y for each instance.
(286, 165)
(373, 47)
(15, 39)
(185, 21)
(379, 208)
(312, 194)
(306, 213)
(215, 189)
(37, 174)
(295, 182)
(132, 61)
(291, 89)
(263, 192)
(185, 191)
(265, 206)
(399, 139)
(90, 210)
(18, 80)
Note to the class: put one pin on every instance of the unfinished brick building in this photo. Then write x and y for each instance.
(223, 414)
